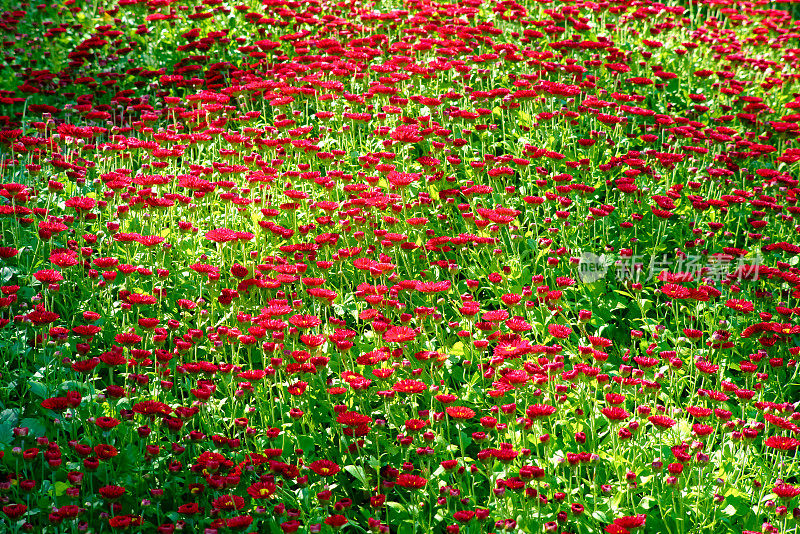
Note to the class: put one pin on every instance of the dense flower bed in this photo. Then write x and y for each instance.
(302, 266)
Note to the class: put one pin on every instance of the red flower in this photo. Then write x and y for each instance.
(464, 516)
(111, 492)
(615, 413)
(119, 522)
(228, 502)
(261, 490)
(190, 508)
(240, 522)
(510, 350)
(433, 287)
(460, 412)
(407, 480)
(122, 522)
(305, 321)
(698, 412)
(128, 338)
(409, 386)
(151, 407)
(324, 468)
(676, 291)
(662, 421)
(48, 276)
(399, 334)
(675, 468)
(105, 451)
(786, 491)
(744, 306)
(289, 527)
(57, 404)
(559, 331)
(15, 511)
(221, 235)
(505, 454)
(631, 521)
(353, 419)
(8, 252)
(782, 443)
(106, 423)
(537, 411)
(298, 388)
(336, 521)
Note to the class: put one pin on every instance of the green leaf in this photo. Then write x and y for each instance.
(600, 516)
(61, 488)
(396, 506)
(39, 389)
(647, 502)
(730, 510)
(6, 273)
(406, 527)
(306, 443)
(8, 420)
(359, 473)
(35, 425)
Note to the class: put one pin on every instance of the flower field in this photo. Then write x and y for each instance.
(399, 267)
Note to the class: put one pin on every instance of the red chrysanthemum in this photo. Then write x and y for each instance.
(409, 386)
(460, 412)
(662, 421)
(228, 502)
(261, 490)
(539, 411)
(615, 413)
(782, 443)
(559, 331)
(407, 480)
(324, 468)
(399, 334)
(151, 407)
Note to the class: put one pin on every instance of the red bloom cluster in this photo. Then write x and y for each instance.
(426, 266)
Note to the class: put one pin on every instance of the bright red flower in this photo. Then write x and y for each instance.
(407, 480)
(615, 413)
(399, 334)
(261, 490)
(559, 331)
(540, 411)
(324, 468)
(662, 421)
(782, 443)
(460, 412)
(410, 386)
